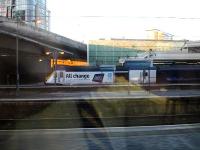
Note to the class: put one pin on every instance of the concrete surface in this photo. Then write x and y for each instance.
(175, 137)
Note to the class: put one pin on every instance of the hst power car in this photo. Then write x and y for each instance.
(81, 75)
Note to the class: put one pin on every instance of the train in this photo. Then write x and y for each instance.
(136, 72)
(66, 75)
(178, 74)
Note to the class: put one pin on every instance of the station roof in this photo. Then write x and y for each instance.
(193, 43)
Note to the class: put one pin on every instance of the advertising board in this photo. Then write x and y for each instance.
(85, 77)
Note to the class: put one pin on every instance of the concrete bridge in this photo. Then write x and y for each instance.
(35, 37)
(36, 48)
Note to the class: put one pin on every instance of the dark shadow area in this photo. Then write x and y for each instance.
(89, 115)
(90, 118)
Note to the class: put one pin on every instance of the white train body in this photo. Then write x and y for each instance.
(63, 77)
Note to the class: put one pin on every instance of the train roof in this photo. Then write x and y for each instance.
(86, 68)
(179, 67)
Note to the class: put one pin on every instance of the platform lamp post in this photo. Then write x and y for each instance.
(55, 58)
(17, 53)
(54, 61)
(149, 71)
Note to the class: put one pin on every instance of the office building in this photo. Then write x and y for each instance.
(156, 34)
(33, 12)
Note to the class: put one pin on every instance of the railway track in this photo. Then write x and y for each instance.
(82, 88)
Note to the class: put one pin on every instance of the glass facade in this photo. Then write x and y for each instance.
(108, 52)
(4, 7)
(108, 55)
(33, 12)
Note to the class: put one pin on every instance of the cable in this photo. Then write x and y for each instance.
(139, 17)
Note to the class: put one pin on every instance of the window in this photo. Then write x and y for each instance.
(111, 75)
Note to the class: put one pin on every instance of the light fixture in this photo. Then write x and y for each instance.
(62, 53)
(40, 60)
(48, 53)
(38, 21)
(4, 55)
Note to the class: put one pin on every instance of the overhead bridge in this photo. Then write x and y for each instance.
(39, 37)
(37, 47)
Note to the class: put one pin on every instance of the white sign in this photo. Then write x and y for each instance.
(142, 76)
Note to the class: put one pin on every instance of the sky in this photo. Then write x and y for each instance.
(84, 20)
